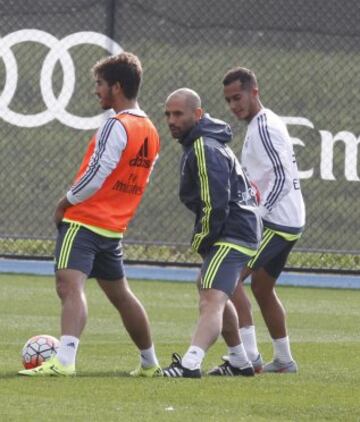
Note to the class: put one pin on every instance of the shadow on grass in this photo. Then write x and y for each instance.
(85, 374)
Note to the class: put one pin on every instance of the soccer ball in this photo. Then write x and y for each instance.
(38, 349)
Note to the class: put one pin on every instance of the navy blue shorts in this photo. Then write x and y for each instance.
(272, 253)
(79, 248)
(222, 267)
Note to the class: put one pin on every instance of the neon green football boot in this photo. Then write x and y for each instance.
(50, 368)
(152, 372)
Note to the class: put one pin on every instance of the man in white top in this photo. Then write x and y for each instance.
(269, 161)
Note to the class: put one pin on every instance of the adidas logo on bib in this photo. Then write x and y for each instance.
(141, 159)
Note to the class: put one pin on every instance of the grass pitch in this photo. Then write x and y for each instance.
(324, 328)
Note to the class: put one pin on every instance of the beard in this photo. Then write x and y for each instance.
(107, 101)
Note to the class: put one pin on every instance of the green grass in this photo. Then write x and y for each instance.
(324, 328)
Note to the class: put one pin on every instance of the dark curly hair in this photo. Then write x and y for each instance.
(124, 68)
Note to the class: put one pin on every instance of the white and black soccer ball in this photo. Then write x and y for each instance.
(38, 349)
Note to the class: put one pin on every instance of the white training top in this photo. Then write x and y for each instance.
(269, 161)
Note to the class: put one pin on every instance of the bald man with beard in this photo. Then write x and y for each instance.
(226, 230)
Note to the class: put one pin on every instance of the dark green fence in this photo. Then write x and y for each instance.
(307, 59)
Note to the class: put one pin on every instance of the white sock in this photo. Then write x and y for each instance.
(67, 350)
(193, 358)
(148, 357)
(248, 338)
(282, 350)
(238, 356)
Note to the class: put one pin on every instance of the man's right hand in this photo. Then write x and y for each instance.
(62, 205)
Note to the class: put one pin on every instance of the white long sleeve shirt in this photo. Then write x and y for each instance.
(111, 140)
(269, 161)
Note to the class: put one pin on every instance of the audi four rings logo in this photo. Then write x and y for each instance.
(59, 51)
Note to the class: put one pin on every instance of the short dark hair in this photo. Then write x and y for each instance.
(124, 68)
(246, 77)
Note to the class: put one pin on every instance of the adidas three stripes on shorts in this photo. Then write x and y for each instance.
(81, 249)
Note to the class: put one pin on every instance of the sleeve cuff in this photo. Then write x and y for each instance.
(262, 211)
(71, 198)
